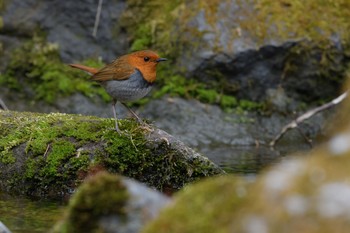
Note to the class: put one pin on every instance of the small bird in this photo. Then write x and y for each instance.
(128, 78)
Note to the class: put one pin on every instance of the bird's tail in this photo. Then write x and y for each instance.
(87, 69)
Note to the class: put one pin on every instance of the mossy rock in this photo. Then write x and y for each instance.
(100, 196)
(241, 50)
(206, 206)
(111, 203)
(50, 154)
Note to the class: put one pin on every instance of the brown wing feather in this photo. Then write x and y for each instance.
(119, 69)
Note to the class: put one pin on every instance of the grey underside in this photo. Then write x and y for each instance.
(130, 89)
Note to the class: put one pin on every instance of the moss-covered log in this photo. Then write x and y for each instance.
(50, 154)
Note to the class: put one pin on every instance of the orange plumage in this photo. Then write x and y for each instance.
(128, 78)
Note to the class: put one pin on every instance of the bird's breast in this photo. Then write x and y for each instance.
(131, 89)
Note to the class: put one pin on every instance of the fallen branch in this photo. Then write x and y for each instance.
(306, 116)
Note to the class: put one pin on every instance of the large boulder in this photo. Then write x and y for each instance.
(50, 154)
(247, 48)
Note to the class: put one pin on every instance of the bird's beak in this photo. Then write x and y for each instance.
(161, 59)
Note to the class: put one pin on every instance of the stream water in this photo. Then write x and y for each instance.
(249, 159)
(24, 215)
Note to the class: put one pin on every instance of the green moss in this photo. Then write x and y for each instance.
(101, 195)
(61, 151)
(160, 166)
(57, 150)
(209, 96)
(52, 142)
(37, 64)
(177, 85)
(143, 38)
(7, 157)
(290, 21)
(227, 101)
(149, 26)
(250, 105)
(207, 206)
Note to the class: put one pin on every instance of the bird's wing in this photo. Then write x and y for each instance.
(119, 69)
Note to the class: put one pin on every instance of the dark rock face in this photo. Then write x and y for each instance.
(227, 51)
(69, 24)
(252, 73)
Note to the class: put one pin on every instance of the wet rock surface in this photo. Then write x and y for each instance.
(221, 135)
(69, 24)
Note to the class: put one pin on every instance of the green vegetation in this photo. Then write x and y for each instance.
(37, 64)
(49, 154)
(177, 85)
(150, 25)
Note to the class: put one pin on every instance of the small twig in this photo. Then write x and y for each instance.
(306, 138)
(306, 116)
(3, 105)
(47, 150)
(97, 19)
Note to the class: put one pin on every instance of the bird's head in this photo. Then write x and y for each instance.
(146, 62)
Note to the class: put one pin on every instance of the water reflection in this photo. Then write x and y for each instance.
(23, 215)
(248, 159)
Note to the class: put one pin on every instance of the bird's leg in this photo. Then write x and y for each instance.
(115, 116)
(134, 114)
(143, 124)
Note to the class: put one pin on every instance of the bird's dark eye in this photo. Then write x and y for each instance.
(146, 59)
